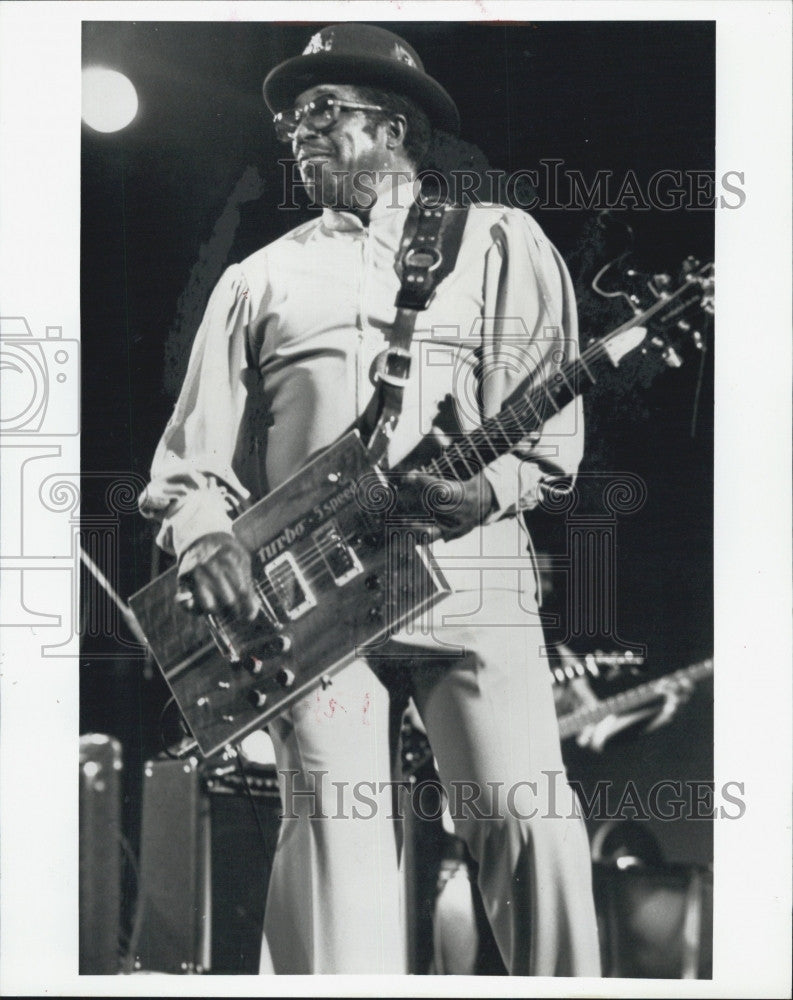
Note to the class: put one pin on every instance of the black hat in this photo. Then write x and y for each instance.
(366, 55)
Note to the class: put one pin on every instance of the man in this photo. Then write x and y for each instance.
(282, 365)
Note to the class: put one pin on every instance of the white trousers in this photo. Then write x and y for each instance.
(334, 897)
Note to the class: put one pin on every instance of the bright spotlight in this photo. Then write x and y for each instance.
(110, 101)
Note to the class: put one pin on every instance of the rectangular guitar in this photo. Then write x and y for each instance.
(335, 572)
(332, 576)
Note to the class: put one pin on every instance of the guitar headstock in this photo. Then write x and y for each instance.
(668, 312)
(597, 664)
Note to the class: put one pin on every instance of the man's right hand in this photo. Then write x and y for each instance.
(215, 577)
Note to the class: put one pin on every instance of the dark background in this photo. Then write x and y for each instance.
(193, 184)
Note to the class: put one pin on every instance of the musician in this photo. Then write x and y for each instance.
(284, 362)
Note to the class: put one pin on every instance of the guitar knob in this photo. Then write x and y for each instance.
(285, 677)
(373, 582)
(276, 645)
(672, 358)
(257, 698)
(253, 665)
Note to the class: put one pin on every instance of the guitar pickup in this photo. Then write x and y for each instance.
(340, 558)
(290, 586)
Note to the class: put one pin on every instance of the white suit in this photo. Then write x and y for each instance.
(281, 366)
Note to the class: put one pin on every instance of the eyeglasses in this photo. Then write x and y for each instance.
(321, 115)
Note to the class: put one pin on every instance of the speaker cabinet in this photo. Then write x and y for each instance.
(655, 923)
(100, 854)
(204, 868)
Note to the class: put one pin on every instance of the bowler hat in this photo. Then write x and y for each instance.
(366, 55)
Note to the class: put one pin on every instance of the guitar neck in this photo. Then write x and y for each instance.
(547, 393)
(499, 434)
(574, 722)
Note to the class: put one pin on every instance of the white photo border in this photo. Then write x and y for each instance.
(40, 274)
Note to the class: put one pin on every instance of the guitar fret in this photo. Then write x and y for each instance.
(489, 443)
(581, 363)
(445, 457)
(479, 459)
(457, 447)
(486, 445)
(497, 423)
(518, 421)
(549, 395)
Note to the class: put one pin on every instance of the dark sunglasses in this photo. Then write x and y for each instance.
(320, 115)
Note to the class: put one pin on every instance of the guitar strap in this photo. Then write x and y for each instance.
(427, 253)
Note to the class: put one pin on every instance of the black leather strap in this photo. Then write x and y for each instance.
(428, 253)
(430, 245)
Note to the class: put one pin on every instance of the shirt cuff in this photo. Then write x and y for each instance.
(515, 483)
(201, 513)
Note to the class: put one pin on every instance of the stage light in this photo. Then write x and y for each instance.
(110, 100)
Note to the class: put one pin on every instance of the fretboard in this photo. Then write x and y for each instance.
(548, 392)
(499, 434)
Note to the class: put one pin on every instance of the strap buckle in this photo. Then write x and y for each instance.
(426, 258)
(396, 367)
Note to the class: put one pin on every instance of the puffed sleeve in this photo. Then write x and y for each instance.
(530, 323)
(193, 485)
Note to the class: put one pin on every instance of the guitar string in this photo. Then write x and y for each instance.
(511, 421)
(576, 368)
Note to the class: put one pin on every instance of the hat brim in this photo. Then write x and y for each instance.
(284, 83)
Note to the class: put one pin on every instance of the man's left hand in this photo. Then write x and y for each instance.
(445, 508)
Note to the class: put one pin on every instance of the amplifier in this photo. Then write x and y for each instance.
(204, 866)
(100, 854)
(655, 923)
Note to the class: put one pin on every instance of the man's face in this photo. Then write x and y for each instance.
(330, 160)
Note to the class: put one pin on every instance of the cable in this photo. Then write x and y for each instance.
(249, 793)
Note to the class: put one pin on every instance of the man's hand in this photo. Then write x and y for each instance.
(445, 508)
(215, 577)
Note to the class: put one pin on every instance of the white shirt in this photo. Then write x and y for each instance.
(282, 365)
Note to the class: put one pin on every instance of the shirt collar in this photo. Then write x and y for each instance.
(394, 200)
